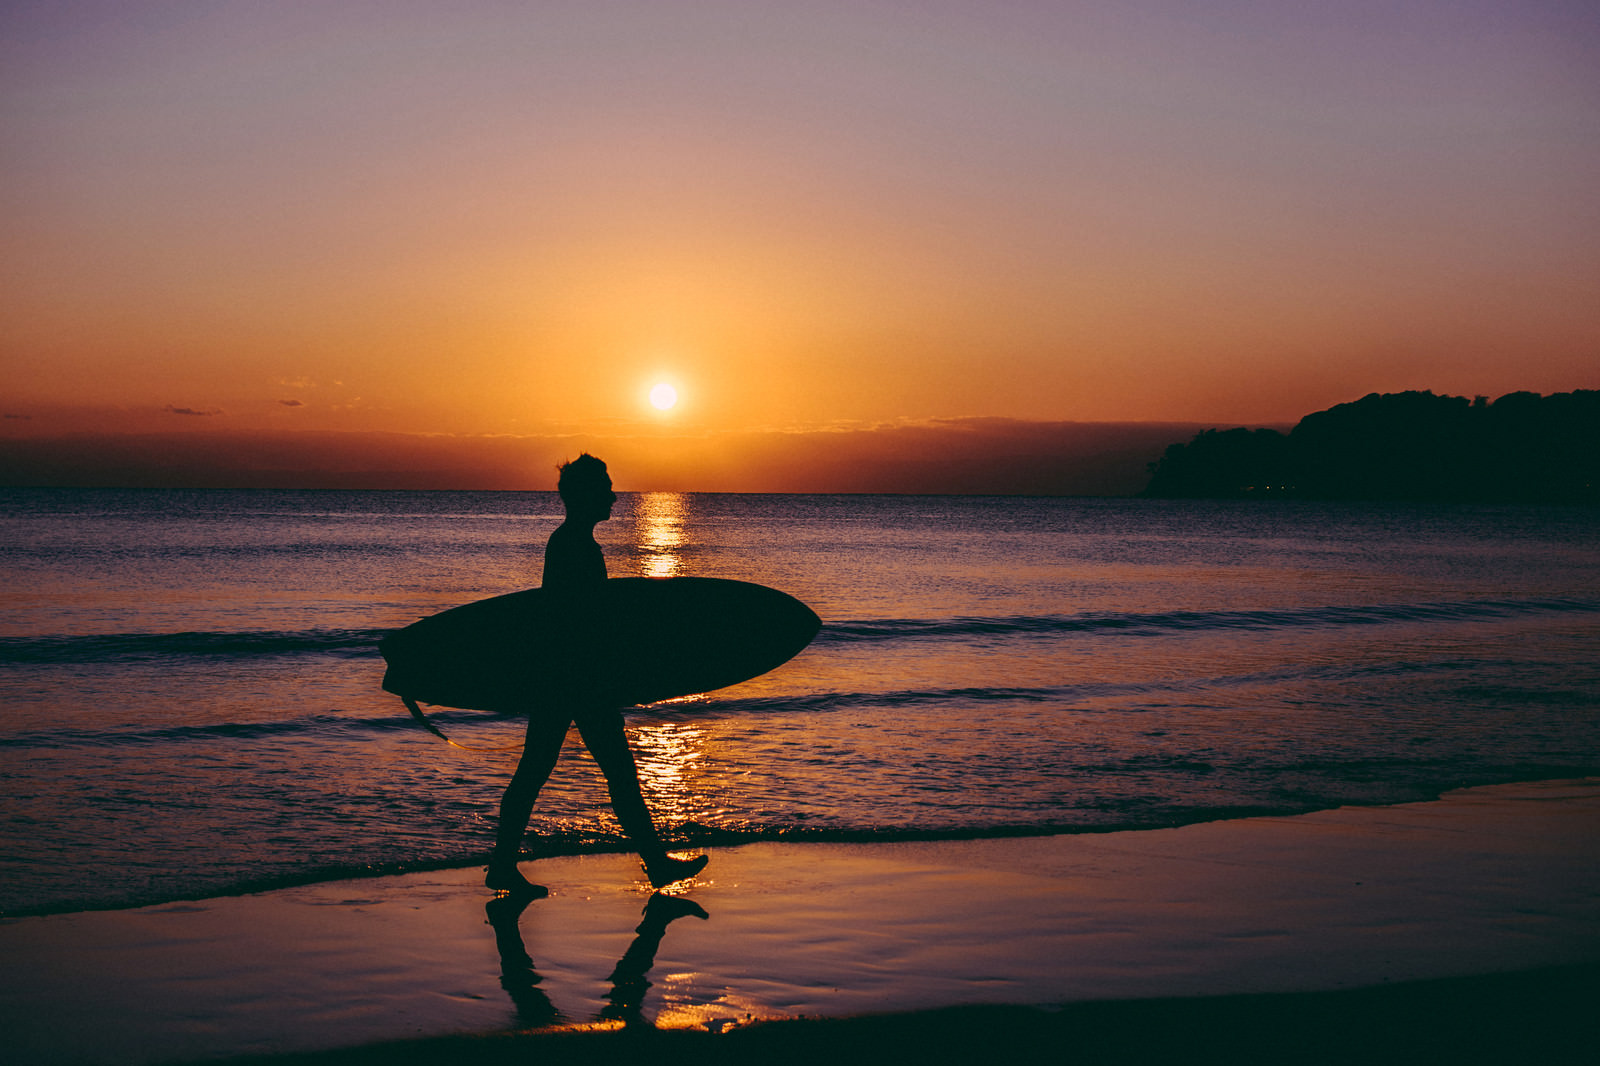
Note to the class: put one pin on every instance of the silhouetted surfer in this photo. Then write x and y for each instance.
(573, 563)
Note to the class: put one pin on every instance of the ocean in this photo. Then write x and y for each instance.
(191, 706)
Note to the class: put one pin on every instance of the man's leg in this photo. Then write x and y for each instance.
(607, 741)
(539, 754)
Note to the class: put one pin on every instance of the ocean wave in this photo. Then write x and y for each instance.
(898, 629)
(133, 647)
(327, 726)
(461, 723)
(1111, 815)
(1076, 695)
(556, 841)
(1080, 697)
(363, 643)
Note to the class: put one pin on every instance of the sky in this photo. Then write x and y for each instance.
(314, 236)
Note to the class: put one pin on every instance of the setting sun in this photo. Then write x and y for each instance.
(663, 396)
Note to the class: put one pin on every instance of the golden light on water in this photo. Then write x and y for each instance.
(659, 533)
(669, 757)
(668, 754)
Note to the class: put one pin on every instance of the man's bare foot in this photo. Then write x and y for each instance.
(665, 870)
(509, 879)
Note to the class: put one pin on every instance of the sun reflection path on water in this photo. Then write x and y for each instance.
(660, 536)
(671, 755)
(670, 758)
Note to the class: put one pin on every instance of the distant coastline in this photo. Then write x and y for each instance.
(953, 456)
(1521, 448)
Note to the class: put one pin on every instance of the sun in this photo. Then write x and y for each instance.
(663, 396)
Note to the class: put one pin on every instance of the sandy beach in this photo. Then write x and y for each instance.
(1117, 944)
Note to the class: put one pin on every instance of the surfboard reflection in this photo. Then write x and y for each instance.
(660, 520)
(629, 980)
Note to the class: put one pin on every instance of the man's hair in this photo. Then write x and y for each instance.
(579, 475)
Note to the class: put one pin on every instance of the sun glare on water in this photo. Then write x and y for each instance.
(663, 396)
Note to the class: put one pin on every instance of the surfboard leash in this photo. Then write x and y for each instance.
(416, 712)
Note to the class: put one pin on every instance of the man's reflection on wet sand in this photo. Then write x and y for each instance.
(625, 1001)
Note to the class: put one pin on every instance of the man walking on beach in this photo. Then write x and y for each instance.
(574, 565)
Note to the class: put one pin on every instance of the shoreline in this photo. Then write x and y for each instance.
(1019, 936)
(356, 874)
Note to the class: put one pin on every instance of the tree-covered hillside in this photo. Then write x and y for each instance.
(1403, 446)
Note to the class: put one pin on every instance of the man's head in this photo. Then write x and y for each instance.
(585, 488)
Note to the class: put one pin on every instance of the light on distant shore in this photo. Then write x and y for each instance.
(663, 396)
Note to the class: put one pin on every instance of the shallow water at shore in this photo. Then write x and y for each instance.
(192, 696)
(1483, 881)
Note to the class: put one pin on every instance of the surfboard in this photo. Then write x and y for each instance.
(628, 641)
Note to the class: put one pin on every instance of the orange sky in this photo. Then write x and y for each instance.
(498, 219)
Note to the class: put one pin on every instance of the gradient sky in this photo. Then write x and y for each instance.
(513, 218)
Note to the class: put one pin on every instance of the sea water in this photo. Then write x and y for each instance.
(189, 680)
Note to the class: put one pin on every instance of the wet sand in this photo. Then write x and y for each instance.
(1463, 926)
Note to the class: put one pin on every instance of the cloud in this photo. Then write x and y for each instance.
(199, 412)
(292, 403)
